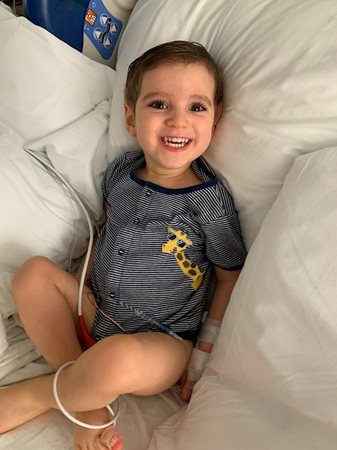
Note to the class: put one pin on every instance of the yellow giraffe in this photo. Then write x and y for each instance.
(177, 243)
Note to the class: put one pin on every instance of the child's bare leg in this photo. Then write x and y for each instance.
(25, 401)
(22, 402)
(46, 299)
(144, 363)
(141, 363)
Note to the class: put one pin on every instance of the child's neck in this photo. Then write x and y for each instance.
(171, 181)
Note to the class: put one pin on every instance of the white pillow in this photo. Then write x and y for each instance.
(273, 370)
(280, 68)
(79, 152)
(37, 217)
(44, 83)
(280, 334)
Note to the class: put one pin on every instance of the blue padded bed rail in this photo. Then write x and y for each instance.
(63, 18)
(89, 26)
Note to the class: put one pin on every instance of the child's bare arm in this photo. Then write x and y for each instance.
(225, 282)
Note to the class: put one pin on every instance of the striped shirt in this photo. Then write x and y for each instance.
(158, 246)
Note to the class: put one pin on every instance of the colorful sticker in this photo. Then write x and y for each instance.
(90, 17)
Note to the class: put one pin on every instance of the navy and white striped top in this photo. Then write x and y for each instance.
(158, 246)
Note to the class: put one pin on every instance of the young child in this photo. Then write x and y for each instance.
(170, 226)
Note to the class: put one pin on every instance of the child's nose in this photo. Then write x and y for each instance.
(177, 118)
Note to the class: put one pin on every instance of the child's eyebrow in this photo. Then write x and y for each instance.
(154, 94)
(202, 98)
(196, 97)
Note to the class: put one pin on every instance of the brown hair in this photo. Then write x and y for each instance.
(170, 52)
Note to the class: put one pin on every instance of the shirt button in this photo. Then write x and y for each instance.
(112, 295)
(148, 193)
(136, 221)
(121, 251)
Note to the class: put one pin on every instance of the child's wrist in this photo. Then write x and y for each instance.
(205, 346)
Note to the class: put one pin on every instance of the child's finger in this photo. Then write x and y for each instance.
(186, 390)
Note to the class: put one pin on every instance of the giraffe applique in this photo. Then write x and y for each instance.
(178, 242)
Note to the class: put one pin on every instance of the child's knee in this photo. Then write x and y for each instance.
(29, 273)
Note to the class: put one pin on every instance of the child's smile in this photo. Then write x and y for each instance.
(176, 143)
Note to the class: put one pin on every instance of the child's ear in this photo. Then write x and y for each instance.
(130, 122)
(217, 116)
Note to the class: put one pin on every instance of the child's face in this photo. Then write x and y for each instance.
(175, 115)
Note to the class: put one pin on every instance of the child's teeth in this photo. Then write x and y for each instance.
(176, 141)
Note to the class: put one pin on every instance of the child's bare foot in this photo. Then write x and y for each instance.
(112, 439)
(29, 399)
(19, 403)
(108, 438)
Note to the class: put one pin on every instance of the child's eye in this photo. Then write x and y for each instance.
(198, 107)
(159, 104)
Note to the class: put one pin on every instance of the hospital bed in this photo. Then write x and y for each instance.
(271, 382)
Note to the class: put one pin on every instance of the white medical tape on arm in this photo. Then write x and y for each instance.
(209, 330)
(197, 364)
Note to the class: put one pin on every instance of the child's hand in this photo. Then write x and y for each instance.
(186, 387)
(196, 367)
(199, 357)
